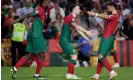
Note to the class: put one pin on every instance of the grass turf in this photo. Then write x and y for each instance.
(58, 73)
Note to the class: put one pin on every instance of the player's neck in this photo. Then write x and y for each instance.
(74, 15)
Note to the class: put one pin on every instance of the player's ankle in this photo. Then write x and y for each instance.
(36, 75)
(97, 75)
(116, 63)
(70, 73)
(15, 68)
(111, 72)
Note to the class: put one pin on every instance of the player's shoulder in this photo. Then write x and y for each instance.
(39, 7)
(69, 17)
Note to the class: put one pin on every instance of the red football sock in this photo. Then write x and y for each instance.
(115, 58)
(99, 67)
(107, 64)
(70, 68)
(20, 62)
(39, 65)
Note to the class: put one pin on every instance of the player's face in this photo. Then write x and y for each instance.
(77, 10)
(109, 8)
(45, 4)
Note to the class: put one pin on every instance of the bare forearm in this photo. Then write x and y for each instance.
(101, 15)
(23, 17)
(83, 35)
(105, 16)
(79, 28)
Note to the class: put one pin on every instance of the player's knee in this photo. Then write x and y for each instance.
(42, 56)
(28, 55)
(74, 57)
(101, 57)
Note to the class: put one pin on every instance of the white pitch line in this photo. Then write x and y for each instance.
(46, 74)
(50, 75)
(128, 75)
(33, 75)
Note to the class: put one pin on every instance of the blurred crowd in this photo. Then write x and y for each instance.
(58, 9)
(54, 14)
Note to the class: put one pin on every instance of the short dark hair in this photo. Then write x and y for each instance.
(73, 6)
(42, 1)
(112, 4)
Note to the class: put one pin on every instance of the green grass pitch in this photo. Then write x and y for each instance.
(58, 73)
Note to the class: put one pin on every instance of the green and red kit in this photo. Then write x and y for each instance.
(66, 35)
(107, 40)
(35, 40)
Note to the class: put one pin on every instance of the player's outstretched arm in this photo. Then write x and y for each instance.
(21, 18)
(92, 13)
(79, 28)
(84, 36)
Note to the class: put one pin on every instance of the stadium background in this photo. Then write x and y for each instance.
(54, 56)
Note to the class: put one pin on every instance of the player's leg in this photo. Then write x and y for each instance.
(103, 53)
(99, 67)
(39, 59)
(70, 52)
(113, 52)
(98, 71)
(72, 62)
(39, 48)
(70, 72)
(102, 61)
(19, 64)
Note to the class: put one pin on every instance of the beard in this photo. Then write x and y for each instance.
(109, 12)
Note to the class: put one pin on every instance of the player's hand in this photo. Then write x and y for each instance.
(89, 33)
(91, 13)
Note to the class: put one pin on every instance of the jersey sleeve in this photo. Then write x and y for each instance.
(71, 19)
(35, 12)
(38, 11)
(112, 17)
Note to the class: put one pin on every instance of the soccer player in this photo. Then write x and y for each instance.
(107, 40)
(36, 45)
(69, 25)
